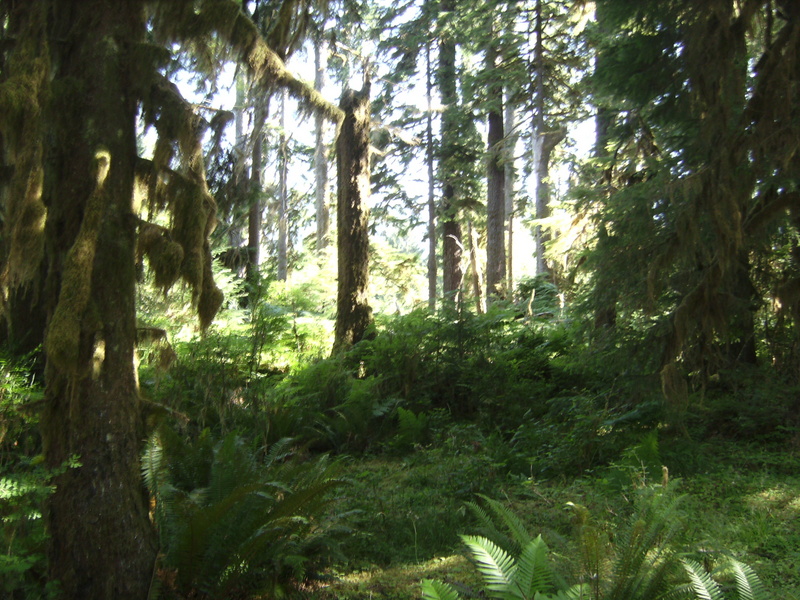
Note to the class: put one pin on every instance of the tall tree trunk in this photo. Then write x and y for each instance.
(495, 177)
(283, 197)
(255, 209)
(605, 311)
(353, 313)
(429, 158)
(320, 157)
(452, 248)
(508, 189)
(101, 542)
(544, 142)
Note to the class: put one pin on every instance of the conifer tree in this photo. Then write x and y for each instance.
(78, 74)
(699, 107)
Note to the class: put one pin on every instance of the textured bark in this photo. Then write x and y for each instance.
(353, 313)
(495, 198)
(101, 541)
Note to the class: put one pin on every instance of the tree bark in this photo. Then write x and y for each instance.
(495, 198)
(353, 313)
(101, 542)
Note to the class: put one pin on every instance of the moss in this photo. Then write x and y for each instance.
(164, 254)
(64, 331)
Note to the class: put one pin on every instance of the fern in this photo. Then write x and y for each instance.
(438, 590)
(240, 523)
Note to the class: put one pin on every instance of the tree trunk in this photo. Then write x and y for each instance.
(320, 158)
(353, 313)
(495, 199)
(475, 267)
(429, 157)
(254, 209)
(544, 142)
(283, 197)
(452, 248)
(508, 190)
(101, 542)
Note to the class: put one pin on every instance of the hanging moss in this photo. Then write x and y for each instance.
(22, 95)
(211, 296)
(63, 334)
(164, 255)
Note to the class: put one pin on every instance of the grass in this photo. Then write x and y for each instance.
(743, 498)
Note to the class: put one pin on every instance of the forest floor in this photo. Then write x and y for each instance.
(741, 499)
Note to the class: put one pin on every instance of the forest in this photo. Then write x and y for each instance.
(437, 299)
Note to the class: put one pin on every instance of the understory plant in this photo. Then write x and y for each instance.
(643, 562)
(231, 522)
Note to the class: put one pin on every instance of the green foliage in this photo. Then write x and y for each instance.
(704, 586)
(24, 486)
(228, 520)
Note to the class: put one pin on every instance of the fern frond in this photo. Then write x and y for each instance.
(488, 529)
(534, 574)
(704, 587)
(748, 584)
(433, 589)
(495, 565)
(512, 522)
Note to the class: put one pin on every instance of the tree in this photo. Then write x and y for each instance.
(698, 180)
(495, 175)
(353, 313)
(81, 71)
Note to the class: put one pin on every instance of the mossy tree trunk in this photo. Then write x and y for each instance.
(101, 541)
(353, 313)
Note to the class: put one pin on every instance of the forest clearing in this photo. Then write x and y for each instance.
(433, 299)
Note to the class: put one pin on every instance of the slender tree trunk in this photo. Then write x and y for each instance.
(429, 157)
(475, 268)
(508, 189)
(452, 248)
(255, 208)
(320, 157)
(353, 313)
(101, 542)
(495, 199)
(544, 142)
(283, 197)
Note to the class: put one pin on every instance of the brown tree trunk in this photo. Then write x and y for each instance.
(353, 313)
(101, 541)
(452, 247)
(495, 198)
